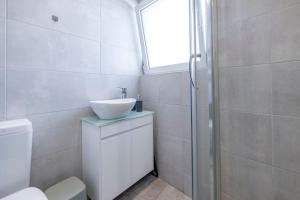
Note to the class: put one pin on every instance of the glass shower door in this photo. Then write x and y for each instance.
(205, 153)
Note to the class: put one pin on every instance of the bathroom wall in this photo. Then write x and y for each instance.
(168, 96)
(54, 68)
(259, 53)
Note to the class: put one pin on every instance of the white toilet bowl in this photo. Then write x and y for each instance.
(15, 148)
(30, 193)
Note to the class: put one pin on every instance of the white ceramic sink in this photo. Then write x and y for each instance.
(111, 109)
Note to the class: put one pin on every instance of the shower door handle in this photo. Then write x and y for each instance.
(190, 67)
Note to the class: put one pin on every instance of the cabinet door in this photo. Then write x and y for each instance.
(116, 159)
(142, 151)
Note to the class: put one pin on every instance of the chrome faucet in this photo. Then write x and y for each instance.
(124, 92)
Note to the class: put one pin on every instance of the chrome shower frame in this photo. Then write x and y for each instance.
(201, 33)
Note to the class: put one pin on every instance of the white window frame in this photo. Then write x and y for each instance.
(146, 67)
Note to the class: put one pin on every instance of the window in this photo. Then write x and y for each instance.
(164, 33)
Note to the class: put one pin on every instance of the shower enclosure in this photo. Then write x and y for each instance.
(258, 72)
(176, 36)
(251, 148)
(204, 103)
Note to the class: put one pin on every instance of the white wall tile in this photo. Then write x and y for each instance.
(171, 120)
(30, 47)
(186, 97)
(247, 89)
(188, 185)
(246, 179)
(286, 184)
(285, 34)
(30, 92)
(168, 96)
(246, 42)
(50, 169)
(170, 89)
(286, 143)
(285, 90)
(187, 157)
(149, 88)
(75, 16)
(132, 85)
(100, 87)
(77, 55)
(54, 70)
(116, 60)
(174, 176)
(116, 7)
(170, 151)
(247, 135)
(51, 50)
(55, 132)
(53, 140)
(119, 42)
(251, 33)
(118, 31)
(232, 11)
(282, 4)
(60, 119)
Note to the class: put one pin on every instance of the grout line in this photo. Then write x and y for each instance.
(51, 154)
(245, 112)
(54, 30)
(241, 21)
(100, 37)
(117, 45)
(50, 112)
(74, 72)
(103, 43)
(237, 156)
(272, 122)
(244, 157)
(268, 12)
(260, 64)
(259, 114)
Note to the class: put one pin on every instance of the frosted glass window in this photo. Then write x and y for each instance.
(165, 26)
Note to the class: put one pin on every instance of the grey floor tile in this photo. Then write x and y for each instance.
(152, 188)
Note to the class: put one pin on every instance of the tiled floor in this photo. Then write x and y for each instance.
(151, 188)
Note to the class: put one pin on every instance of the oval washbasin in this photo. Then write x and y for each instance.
(111, 109)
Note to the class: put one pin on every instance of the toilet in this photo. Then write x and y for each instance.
(15, 164)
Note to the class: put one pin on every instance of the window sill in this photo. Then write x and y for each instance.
(167, 69)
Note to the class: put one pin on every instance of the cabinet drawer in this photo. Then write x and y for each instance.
(123, 126)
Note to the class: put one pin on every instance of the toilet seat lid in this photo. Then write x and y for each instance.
(31, 193)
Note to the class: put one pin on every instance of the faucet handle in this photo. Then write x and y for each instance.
(123, 89)
(124, 92)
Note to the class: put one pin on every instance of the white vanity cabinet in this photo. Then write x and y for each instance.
(116, 153)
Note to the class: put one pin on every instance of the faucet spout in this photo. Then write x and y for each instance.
(124, 92)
